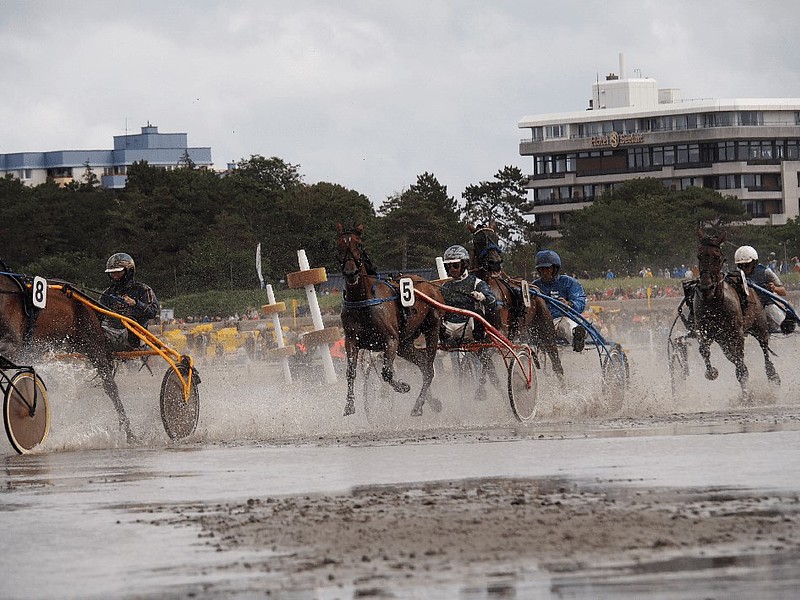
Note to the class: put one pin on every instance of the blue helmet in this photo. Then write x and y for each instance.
(548, 258)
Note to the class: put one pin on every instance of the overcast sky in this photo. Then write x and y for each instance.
(365, 94)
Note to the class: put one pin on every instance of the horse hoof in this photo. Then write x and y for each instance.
(401, 386)
(775, 378)
(417, 412)
(480, 393)
(131, 437)
(712, 374)
(436, 404)
(349, 408)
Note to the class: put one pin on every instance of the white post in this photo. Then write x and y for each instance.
(276, 324)
(440, 268)
(324, 350)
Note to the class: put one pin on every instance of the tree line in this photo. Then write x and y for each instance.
(192, 230)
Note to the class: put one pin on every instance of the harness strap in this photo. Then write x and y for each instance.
(371, 301)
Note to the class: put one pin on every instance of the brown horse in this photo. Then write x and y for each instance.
(534, 324)
(373, 319)
(719, 316)
(64, 324)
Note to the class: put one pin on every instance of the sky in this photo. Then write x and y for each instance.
(365, 94)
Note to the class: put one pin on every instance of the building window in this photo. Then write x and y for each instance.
(751, 117)
(25, 174)
(726, 151)
(793, 149)
(555, 131)
(639, 158)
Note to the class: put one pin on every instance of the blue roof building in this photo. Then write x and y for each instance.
(164, 150)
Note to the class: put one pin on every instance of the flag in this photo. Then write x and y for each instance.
(258, 265)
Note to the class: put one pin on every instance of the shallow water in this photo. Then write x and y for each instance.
(71, 514)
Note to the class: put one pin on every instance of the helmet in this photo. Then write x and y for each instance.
(548, 258)
(745, 254)
(120, 262)
(455, 254)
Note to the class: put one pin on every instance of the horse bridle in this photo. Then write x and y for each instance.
(350, 255)
(714, 274)
(490, 246)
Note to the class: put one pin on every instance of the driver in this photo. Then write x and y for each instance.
(746, 259)
(565, 289)
(129, 298)
(468, 292)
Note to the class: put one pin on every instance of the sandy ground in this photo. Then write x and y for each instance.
(380, 540)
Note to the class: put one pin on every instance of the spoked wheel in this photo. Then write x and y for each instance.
(26, 411)
(179, 414)
(523, 388)
(616, 372)
(678, 357)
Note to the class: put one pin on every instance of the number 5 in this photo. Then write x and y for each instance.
(406, 292)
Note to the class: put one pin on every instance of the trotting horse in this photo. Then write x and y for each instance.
(373, 319)
(719, 316)
(64, 324)
(534, 323)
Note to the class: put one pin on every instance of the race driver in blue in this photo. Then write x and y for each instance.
(566, 289)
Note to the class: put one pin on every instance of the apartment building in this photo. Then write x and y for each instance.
(164, 150)
(748, 148)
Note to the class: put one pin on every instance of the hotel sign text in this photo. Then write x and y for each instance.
(615, 139)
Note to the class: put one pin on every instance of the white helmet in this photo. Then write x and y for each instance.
(745, 254)
(455, 254)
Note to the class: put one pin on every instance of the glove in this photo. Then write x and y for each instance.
(478, 296)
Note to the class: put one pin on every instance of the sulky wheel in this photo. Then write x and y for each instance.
(523, 388)
(615, 377)
(179, 414)
(26, 411)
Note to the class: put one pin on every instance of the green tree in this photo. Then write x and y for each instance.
(642, 223)
(416, 226)
(504, 201)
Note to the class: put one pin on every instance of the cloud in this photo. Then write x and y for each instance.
(368, 95)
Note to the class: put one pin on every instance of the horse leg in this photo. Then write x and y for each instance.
(352, 363)
(545, 332)
(112, 391)
(424, 359)
(705, 351)
(734, 352)
(388, 371)
(769, 367)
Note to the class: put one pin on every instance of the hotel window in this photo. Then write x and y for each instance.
(543, 195)
(726, 151)
(751, 181)
(669, 155)
(555, 131)
(751, 117)
(793, 149)
(537, 134)
(638, 158)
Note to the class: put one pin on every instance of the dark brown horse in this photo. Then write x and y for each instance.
(64, 324)
(719, 316)
(533, 324)
(373, 319)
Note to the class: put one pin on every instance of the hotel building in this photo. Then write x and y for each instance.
(163, 150)
(748, 148)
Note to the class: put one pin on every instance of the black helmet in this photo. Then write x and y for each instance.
(121, 262)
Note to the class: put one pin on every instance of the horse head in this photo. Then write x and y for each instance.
(486, 246)
(351, 253)
(710, 259)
